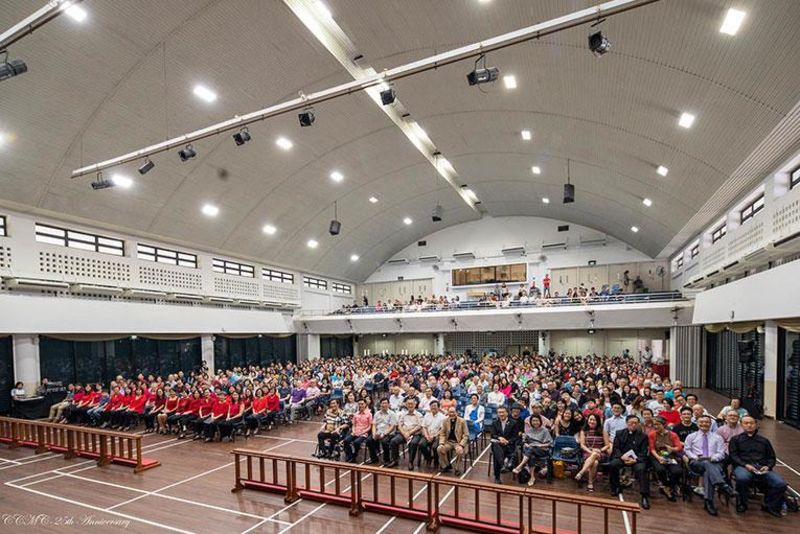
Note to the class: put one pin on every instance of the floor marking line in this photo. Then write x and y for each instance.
(625, 517)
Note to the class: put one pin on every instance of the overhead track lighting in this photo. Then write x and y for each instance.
(241, 137)
(482, 74)
(599, 44)
(9, 69)
(388, 96)
(147, 167)
(307, 117)
(187, 153)
(102, 183)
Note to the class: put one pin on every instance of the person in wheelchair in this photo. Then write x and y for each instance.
(754, 460)
(536, 443)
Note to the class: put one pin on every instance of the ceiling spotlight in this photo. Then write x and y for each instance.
(354, 257)
(536, 169)
(647, 202)
(269, 229)
(76, 13)
(599, 44)
(526, 135)
(9, 69)
(545, 200)
(569, 193)
(242, 136)
(147, 167)
(336, 176)
(187, 153)
(373, 200)
(733, 20)
(407, 221)
(510, 81)
(307, 117)
(662, 170)
(388, 96)
(686, 120)
(438, 211)
(204, 93)
(634, 229)
(122, 181)
(210, 210)
(284, 143)
(101, 183)
(482, 74)
(312, 243)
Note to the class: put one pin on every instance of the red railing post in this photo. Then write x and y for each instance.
(41, 445)
(237, 487)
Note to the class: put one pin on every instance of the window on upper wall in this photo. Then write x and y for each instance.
(315, 283)
(794, 178)
(164, 255)
(694, 251)
(3, 228)
(63, 237)
(232, 267)
(338, 287)
(277, 276)
(719, 233)
(679, 262)
(749, 211)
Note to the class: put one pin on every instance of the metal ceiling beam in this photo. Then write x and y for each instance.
(536, 31)
(31, 23)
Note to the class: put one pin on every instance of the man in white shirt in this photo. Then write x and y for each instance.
(431, 426)
(425, 400)
(614, 423)
(496, 397)
(409, 430)
(396, 399)
(384, 426)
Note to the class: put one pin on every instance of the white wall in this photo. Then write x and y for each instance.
(610, 342)
(394, 343)
(488, 236)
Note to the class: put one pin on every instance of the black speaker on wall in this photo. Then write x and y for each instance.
(747, 352)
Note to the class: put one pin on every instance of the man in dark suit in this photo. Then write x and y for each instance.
(630, 449)
(505, 438)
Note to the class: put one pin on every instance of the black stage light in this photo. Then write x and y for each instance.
(436, 215)
(335, 227)
(569, 193)
(9, 69)
(484, 75)
(306, 118)
(147, 167)
(187, 153)
(599, 44)
(101, 183)
(241, 137)
(388, 96)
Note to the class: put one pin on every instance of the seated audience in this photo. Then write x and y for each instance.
(453, 437)
(706, 452)
(630, 449)
(666, 450)
(361, 426)
(506, 435)
(754, 460)
(384, 426)
(595, 449)
(536, 443)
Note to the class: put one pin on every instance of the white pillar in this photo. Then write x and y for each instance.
(26, 361)
(439, 348)
(308, 347)
(207, 351)
(770, 368)
(544, 341)
(673, 353)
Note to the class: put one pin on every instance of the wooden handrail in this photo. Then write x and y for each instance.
(262, 472)
(106, 446)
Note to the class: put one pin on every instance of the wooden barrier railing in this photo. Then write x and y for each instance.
(104, 445)
(448, 502)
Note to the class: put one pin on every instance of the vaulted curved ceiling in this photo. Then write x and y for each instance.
(123, 79)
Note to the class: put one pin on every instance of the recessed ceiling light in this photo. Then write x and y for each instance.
(354, 257)
(510, 81)
(634, 229)
(526, 135)
(647, 202)
(125, 182)
(336, 176)
(733, 20)
(76, 13)
(407, 221)
(324, 9)
(686, 120)
(373, 200)
(545, 200)
(3, 138)
(536, 169)
(204, 93)
(269, 229)
(662, 170)
(210, 210)
(284, 143)
(312, 243)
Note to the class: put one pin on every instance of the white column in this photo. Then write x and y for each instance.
(673, 353)
(308, 347)
(26, 361)
(439, 348)
(770, 368)
(207, 351)
(544, 341)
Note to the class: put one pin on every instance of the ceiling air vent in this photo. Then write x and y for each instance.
(563, 228)
(422, 243)
(555, 246)
(593, 242)
(513, 251)
(464, 255)
(428, 259)
(398, 261)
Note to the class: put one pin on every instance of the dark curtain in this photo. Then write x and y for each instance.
(263, 350)
(102, 361)
(6, 373)
(335, 346)
(726, 374)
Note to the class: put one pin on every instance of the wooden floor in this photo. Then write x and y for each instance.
(191, 493)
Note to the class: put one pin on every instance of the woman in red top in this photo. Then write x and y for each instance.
(258, 416)
(218, 414)
(156, 405)
(203, 414)
(118, 416)
(273, 406)
(190, 415)
(169, 408)
(235, 414)
(173, 419)
(110, 407)
(671, 416)
(135, 409)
